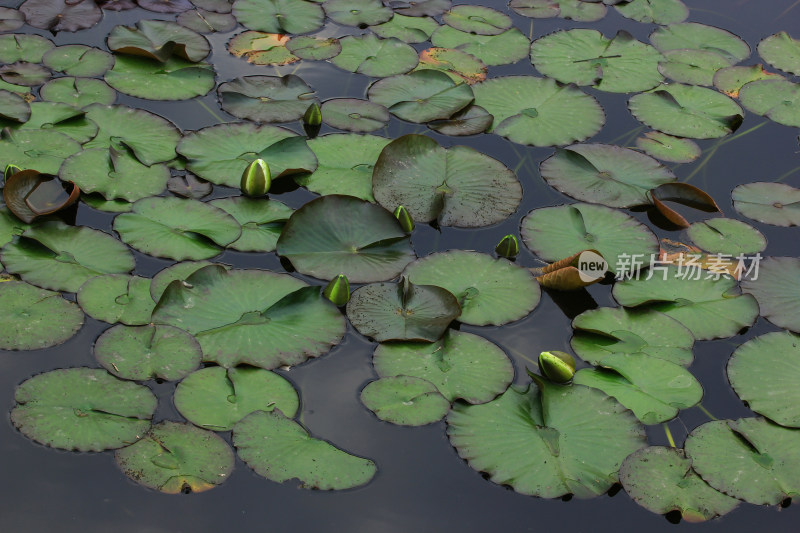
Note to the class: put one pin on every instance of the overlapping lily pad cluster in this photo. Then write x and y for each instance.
(222, 331)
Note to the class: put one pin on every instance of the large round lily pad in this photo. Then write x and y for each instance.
(253, 317)
(34, 318)
(78, 60)
(280, 449)
(695, 36)
(776, 99)
(694, 67)
(175, 79)
(117, 298)
(83, 409)
(458, 186)
(22, 47)
(216, 398)
(78, 92)
(261, 219)
(61, 16)
(266, 98)
(777, 289)
(174, 458)
(771, 203)
(405, 400)
(653, 11)
(338, 234)
(410, 30)
(727, 236)
(421, 96)
(354, 114)
(159, 40)
(782, 52)
(477, 19)
(279, 16)
(357, 12)
(372, 56)
(502, 49)
(41, 150)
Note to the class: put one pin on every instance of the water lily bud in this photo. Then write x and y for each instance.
(558, 367)
(508, 247)
(312, 120)
(406, 222)
(338, 290)
(10, 169)
(256, 178)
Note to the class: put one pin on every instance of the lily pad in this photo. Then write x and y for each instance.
(174, 458)
(653, 11)
(490, 291)
(539, 111)
(339, 234)
(771, 203)
(261, 219)
(357, 12)
(542, 440)
(553, 233)
(59, 257)
(402, 311)
(477, 19)
(710, 308)
(55, 116)
(345, 163)
(203, 21)
(148, 352)
(14, 107)
(405, 400)
(261, 48)
(668, 148)
(21, 47)
(410, 30)
(423, 8)
(83, 409)
(96, 201)
(778, 100)
(60, 16)
(354, 114)
(314, 48)
(730, 80)
(727, 236)
(165, 6)
(749, 458)
(695, 36)
(471, 120)
(372, 56)
(280, 449)
(176, 79)
(460, 365)
(22, 73)
(421, 96)
(539, 9)
(457, 64)
(777, 288)
(216, 398)
(177, 228)
(34, 318)
(117, 298)
(266, 98)
(177, 271)
(456, 186)
(279, 16)
(11, 19)
(581, 10)
(159, 40)
(782, 52)
(693, 67)
(662, 480)
(501, 49)
(253, 317)
(78, 60)
(78, 92)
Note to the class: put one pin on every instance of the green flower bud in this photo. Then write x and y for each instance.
(338, 290)
(558, 367)
(10, 169)
(508, 247)
(256, 178)
(406, 222)
(313, 116)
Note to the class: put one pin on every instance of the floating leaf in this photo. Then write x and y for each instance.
(354, 114)
(372, 56)
(177, 79)
(10, 226)
(59, 117)
(314, 48)
(490, 291)
(22, 47)
(83, 409)
(458, 65)
(660, 12)
(165, 6)
(22, 73)
(261, 48)
(78, 92)
(261, 219)
(11, 19)
(203, 21)
(778, 100)
(60, 16)
(117, 298)
(410, 30)
(684, 194)
(782, 52)
(78, 60)
(421, 96)
(159, 40)
(471, 120)
(339, 234)
(730, 80)
(668, 148)
(177, 271)
(266, 98)
(174, 458)
(405, 400)
(34, 318)
(279, 16)
(727, 236)
(694, 67)
(357, 12)
(775, 286)
(539, 9)
(771, 203)
(280, 449)
(14, 107)
(217, 6)
(502, 49)
(253, 317)
(216, 398)
(423, 8)
(695, 36)
(189, 186)
(147, 352)
(96, 201)
(456, 186)
(477, 19)
(581, 10)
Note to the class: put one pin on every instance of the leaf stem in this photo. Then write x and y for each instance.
(709, 415)
(210, 111)
(669, 435)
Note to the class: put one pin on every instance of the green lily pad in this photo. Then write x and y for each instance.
(176, 79)
(41, 150)
(345, 163)
(471, 120)
(253, 317)
(21, 47)
(778, 100)
(59, 257)
(539, 9)
(423, 8)
(151, 138)
(217, 398)
(654, 389)
(159, 40)
(165, 6)
(117, 298)
(78, 60)
(730, 80)
(727, 236)
(10, 226)
(554, 233)
(114, 174)
(764, 373)
(266, 98)
(542, 440)
(261, 219)
(502, 49)
(771, 203)
(55, 116)
(61, 16)
(668, 148)
(477, 19)
(354, 114)
(338, 234)
(357, 12)
(314, 48)
(148, 352)
(693, 67)
(203, 21)
(777, 288)
(750, 459)
(782, 52)
(421, 96)
(83, 409)
(174, 458)
(78, 92)
(177, 271)
(710, 308)
(34, 318)
(660, 12)
(662, 480)
(457, 64)
(580, 10)
(607, 331)
(177, 228)
(490, 291)
(695, 36)
(261, 48)
(96, 201)
(586, 57)
(604, 174)
(279, 16)
(14, 107)
(280, 449)
(460, 365)
(539, 111)
(372, 56)
(221, 153)
(687, 111)
(402, 311)
(456, 186)
(405, 401)
(410, 30)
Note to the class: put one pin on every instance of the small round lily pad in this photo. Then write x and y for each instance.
(117, 298)
(35, 318)
(727, 236)
(668, 148)
(771, 203)
(405, 400)
(261, 219)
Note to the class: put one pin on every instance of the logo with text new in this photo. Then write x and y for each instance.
(591, 266)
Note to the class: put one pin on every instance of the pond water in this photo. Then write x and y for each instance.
(422, 485)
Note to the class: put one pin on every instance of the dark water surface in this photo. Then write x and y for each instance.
(422, 485)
